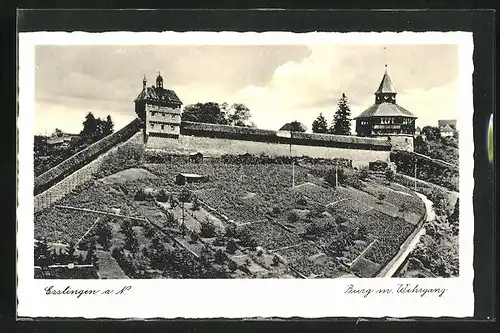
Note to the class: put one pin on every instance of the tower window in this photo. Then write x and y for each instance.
(152, 125)
(162, 127)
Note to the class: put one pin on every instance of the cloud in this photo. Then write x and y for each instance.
(278, 83)
(302, 89)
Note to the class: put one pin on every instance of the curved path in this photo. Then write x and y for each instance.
(400, 258)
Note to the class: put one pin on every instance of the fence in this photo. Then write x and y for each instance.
(69, 183)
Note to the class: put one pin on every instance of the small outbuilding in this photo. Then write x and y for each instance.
(185, 178)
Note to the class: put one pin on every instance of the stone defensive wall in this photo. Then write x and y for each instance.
(79, 177)
(84, 157)
(216, 140)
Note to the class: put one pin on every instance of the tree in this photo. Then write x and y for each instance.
(70, 251)
(320, 124)
(239, 115)
(104, 234)
(455, 215)
(389, 175)
(91, 258)
(42, 255)
(41, 147)
(108, 126)
(210, 113)
(296, 126)
(90, 126)
(184, 196)
(131, 242)
(431, 133)
(57, 133)
(341, 120)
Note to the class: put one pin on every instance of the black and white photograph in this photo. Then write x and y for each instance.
(317, 159)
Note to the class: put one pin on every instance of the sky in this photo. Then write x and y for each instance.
(278, 83)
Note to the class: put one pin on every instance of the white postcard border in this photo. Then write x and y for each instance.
(239, 298)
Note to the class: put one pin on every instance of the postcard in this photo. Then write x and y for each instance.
(242, 175)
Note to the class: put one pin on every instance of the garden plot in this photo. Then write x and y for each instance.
(375, 201)
(108, 267)
(311, 262)
(128, 175)
(390, 233)
(365, 268)
(317, 193)
(271, 236)
(102, 197)
(61, 225)
(253, 267)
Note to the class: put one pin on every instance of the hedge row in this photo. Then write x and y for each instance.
(264, 159)
(75, 162)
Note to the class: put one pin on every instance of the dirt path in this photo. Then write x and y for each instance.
(390, 269)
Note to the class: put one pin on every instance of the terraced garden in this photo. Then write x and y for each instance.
(273, 229)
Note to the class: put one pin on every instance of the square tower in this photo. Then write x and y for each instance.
(159, 109)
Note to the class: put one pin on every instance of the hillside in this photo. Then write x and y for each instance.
(445, 149)
(247, 220)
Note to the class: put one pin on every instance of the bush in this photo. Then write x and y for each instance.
(275, 211)
(302, 201)
(196, 203)
(332, 175)
(232, 266)
(363, 173)
(162, 196)
(207, 229)
(194, 236)
(353, 181)
(219, 257)
(140, 195)
(293, 217)
(231, 231)
(440, 202)
(219, 240)
(361, 232)
(314, 229)
(231, 246)
(389, 175)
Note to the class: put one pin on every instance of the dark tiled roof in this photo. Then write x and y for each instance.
(65, 272)
(386, 85)
(447, 128)
(159, 94)
(386, 110)
(451, 122)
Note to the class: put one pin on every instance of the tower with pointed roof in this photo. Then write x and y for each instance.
(159, 109)
(386, 118)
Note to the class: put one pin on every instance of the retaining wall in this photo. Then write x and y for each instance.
(214, 147)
